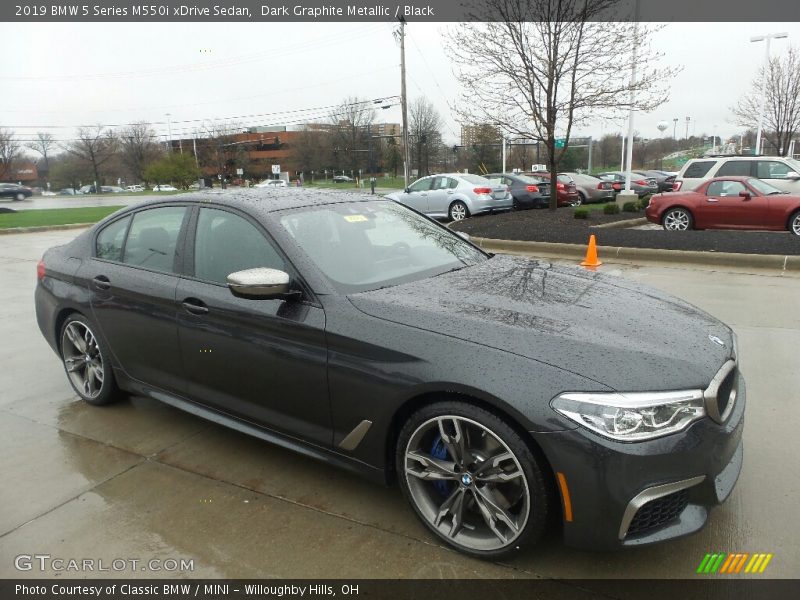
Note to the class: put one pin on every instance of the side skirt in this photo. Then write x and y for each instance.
(284, 441)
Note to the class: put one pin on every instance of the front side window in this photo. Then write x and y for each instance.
(111, 239)
(367, 245)
(225, 243)
(772, 169)
(153, 238)
(723, 189)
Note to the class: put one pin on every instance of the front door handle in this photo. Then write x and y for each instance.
(101, 282)
(195, 306)
(713, 200)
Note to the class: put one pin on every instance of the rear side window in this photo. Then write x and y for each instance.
(153, 238)
(698, 169)
(226, 243)
(111, 239)
(735, 167)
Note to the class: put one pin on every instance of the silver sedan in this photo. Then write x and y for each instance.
(455, 196)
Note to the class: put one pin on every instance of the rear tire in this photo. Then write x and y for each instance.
(581, 200)
(458, 211)
(794, 223)
(472, 480)
(86, 363)
(19, 197)
(677, 219)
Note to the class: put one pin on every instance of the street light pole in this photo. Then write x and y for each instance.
(762, 103)
(635, 57)
(169, 129)
(674, 127)
(404, 100)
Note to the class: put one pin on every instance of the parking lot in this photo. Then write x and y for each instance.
(141, 480)
(40, 202)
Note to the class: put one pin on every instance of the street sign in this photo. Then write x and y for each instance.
(560, 142)
(276, 169)
(240, 171)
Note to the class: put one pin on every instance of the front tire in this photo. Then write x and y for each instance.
(458, 211)
(472, 480)
(794, 223)
(19, 197)
(86, 363)
(677, 219)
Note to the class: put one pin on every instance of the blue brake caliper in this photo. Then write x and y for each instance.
(439, 451)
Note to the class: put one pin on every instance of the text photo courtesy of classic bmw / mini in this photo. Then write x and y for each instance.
(360, 297)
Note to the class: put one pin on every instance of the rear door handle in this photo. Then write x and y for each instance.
(195, 306)
(101, 282)
(713, 200)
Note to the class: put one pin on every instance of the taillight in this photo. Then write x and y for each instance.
(559, 186)
(40, 271)
(482, 190)
(533, 188)
(677, 186)
(641, 182)
(616, 185)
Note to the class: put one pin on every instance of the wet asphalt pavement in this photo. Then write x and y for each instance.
(141, 480)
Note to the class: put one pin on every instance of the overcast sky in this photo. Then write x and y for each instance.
(71, 74)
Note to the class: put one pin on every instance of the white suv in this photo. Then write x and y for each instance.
(781, 172)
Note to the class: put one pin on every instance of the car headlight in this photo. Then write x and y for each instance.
(632, 417)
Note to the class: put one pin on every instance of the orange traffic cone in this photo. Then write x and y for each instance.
(591, 259)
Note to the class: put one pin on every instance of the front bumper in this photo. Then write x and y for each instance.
(608, 482)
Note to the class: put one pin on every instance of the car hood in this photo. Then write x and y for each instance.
(614, 331)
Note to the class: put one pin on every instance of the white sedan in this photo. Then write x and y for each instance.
(271, 183)
(164, 188)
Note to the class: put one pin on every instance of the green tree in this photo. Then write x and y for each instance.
(179, 170)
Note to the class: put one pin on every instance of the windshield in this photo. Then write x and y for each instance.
(364, 246)
(762, 187)
(794, 164)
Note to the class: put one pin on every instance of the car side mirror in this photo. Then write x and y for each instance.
(793, 175)
(407, 190)
(463, 235)
(745, 195)
(260, 283)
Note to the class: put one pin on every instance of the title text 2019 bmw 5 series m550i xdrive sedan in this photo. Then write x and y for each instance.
(501, 392)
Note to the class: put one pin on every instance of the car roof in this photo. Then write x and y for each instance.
(263, 200)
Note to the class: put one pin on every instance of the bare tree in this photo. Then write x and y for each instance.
(139, 148)
(351, 120)
(424, 128)
(545, 66)
(782, 106)
(43, 144)
(218, 151)
(96, 146)
(311, 149)
(9, 152)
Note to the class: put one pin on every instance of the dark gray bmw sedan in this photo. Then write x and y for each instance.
(501, 393)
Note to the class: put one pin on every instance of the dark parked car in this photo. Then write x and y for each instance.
(640, 185)
(15, 191)
(663, 180)
(369, 336)
(727, 203)
(342, 179)
(566, 190)
(526, 191)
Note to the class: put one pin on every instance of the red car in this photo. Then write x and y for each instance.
(727, 203)
(567, 190)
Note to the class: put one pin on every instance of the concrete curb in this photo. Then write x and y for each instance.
(622, 224)
(41, 228)
(623, 254)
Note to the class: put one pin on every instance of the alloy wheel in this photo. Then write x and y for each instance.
(458, 212)
(677, 220)
(82, 359)
(796, 224)
(467, 483)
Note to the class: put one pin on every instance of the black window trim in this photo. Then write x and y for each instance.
(178, 260)
(187, 272)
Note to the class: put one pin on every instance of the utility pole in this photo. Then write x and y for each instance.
(769, 37)
(169, 129)
(589, 166)
(687, 126)
(404, 99)
(674, 127)
(504, 153)
(635, 57)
